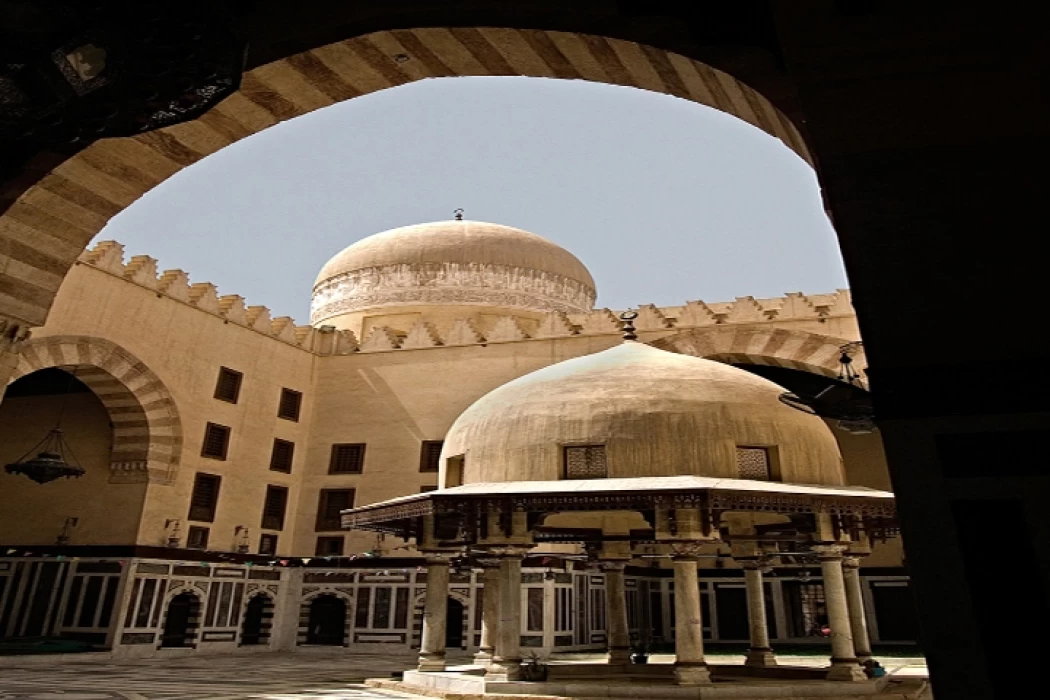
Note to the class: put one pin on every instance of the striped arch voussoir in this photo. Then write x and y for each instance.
(147, 432)
(800, 350)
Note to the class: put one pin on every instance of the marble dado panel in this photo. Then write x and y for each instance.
(449, 284)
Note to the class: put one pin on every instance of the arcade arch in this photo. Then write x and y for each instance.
(147, 431)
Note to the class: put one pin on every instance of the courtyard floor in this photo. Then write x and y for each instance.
(303, 675)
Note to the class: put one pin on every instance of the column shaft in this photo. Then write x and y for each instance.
(855, 599)
(844, 665)
(506, 662)
(760, 654)
(490, 611)
(616, 613)
(435, 617)
(690, 668)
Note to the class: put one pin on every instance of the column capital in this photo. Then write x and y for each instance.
(829, 552)
(688, 551)
(488, 562)
(851, 562)
(751, 564)
(509, 551)
(612, 565)
(437, 558)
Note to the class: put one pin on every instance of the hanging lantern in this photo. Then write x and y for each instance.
(846, 400)
(50, 462)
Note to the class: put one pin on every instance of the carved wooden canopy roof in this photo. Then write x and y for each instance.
(397, 515)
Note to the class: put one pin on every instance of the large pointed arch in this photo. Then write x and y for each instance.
(60, 204)
(794, 349)
(147, 431)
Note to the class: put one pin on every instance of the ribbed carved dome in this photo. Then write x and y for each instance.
(452, 263)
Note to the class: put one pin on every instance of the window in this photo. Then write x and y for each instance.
(268, 544)
(274, 507)
(329, 547)
(197, 538)
(204, 498)
(216, 441)
(585, 462)
(347, 459)
(329, 505)
(228, 386)
(430, 455)
(290, 403)
(752, 463)
(428, 488)
(281, 457)
(454, 471)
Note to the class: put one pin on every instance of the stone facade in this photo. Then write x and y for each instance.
(150, 345)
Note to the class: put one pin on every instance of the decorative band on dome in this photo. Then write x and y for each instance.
(449, 284)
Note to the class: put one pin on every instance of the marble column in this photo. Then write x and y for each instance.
(760, 654)
(690, 668)
(855, 599)
(506, 661)
(435, 616)
(844, 665)
(616, 612)
(490, 611)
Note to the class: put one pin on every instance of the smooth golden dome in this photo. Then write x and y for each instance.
(657, 413)
(453, 263)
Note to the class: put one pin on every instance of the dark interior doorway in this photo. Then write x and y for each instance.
(180, 624)
(258, 615)
(895, 612)
(454, 625)
(327, 621)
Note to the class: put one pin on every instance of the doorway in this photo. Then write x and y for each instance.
(454, 625)
(327, 622)
(180, 624)
(258, 616)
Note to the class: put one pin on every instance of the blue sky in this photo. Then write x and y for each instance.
(664, 200)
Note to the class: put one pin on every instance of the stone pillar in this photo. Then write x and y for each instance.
(490, 611)
(855, 598)
(506, 661)
(690, 668)
(616, 613)
(760, 654)
(435, 616)
(287, 609)
(844, 665)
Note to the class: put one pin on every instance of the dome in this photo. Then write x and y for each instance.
(656, 413)
(452, 263)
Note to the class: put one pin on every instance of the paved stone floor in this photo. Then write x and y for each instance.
(315, 675)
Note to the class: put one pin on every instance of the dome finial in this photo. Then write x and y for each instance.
(628, 326)
(459, 214)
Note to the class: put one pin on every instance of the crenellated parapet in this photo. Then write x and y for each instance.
(142, 271)
(793, 309)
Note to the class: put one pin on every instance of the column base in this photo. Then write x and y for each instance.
(483, 657)
(760, 658)
(431, 662)
(846, 670)
(503, 670)
(692, 674)
(619, 656)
